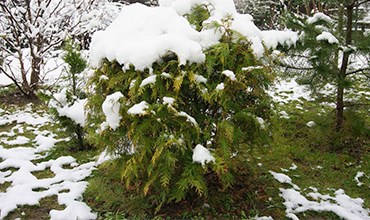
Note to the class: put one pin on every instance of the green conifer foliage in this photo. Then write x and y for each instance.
(76, 64)
(333, 51)
(209, 108)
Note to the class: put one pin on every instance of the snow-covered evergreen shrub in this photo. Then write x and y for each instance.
(182, 117)
(68, 103)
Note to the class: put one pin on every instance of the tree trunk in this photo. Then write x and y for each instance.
(35, 73)
(314, 6)
(343, 71)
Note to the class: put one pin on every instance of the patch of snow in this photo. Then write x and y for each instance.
(189, 118)
(283, 178)
(283, 114)
(61, 97)
(132, 83)
(200, 79)
(103, 78)
(263, 218)
(20, 140)
(103, 157)
(166, 75)
(202, 155)
(310, 124)
(319, 17)
(138, 109)
(150, 33)
(261, 122)
(358, 176)
(45, 143)
(293, 167)
(25, 187)
(111, 108)
(75, 210)
(168, 101)
(229, 74)
(250, 68)
(341, 204)
(294, 90)
(28, 118)
(327, 36)
(273, 38)
(76, 112)
(220, 87)
(148, 80)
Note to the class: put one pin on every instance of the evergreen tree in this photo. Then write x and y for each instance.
(266, 13)
(219, 107)
(71, 98)
(333, 51)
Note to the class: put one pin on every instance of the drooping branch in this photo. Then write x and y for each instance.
(361, 3)
(357, 71)
(14, 81)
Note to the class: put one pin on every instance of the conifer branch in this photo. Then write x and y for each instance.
(357, 71)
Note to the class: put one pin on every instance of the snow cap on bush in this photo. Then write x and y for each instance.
(142, 35)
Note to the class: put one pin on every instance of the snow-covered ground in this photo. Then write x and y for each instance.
(297, 200)
(18, 155)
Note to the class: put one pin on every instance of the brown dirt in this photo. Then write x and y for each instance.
(16, 98)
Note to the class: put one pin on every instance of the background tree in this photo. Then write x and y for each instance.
(32, 29)
(330, 48)
(265, 12)
(68, 103)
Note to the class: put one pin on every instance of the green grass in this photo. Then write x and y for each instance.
(39, 212)
(43, 174)
(4, 186)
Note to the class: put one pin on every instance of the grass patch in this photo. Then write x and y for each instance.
(43, 174)
(4, 186)
(39, 212)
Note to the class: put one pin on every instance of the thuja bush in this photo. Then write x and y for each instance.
(169, 115)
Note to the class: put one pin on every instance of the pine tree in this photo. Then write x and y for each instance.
(330, 46)
(266, 13)
(70, 95)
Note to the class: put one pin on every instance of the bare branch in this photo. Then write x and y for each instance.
(16, 83)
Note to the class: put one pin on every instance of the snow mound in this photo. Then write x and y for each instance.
(138, 109)
(229, 74)
(141, 35)
(202, 155)
(148, 80)
(111, 108)
(327, 36)
(319, 17)
(75, 112)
